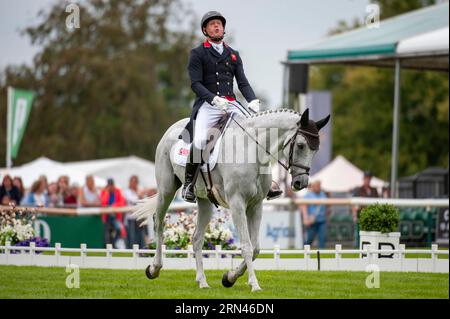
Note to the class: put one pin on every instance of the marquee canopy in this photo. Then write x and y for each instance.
(419, 38)
(340, 175)
(120, 169)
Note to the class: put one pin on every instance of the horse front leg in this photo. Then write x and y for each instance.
(205, 210)
(253, 221)
(238, 211)
(230, 277)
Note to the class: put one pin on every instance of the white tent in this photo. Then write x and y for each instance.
(31, 171)
(342, 176)
(429, 42)
(120, 169)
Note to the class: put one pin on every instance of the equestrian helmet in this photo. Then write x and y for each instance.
(212, 15)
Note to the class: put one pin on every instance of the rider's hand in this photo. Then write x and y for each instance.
(254, 105)
(220, 103)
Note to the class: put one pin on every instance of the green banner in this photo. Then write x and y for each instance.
(19, 106)
(71, 231)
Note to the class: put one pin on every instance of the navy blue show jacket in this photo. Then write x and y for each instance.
(211, 75)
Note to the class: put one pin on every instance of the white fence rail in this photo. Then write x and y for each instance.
(226, 259)
(400, 202)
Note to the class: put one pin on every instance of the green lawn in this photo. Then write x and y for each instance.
(42, 282)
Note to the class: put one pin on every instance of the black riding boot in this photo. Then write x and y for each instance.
(192, 168)
(274, 192)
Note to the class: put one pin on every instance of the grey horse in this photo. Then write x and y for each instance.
(241, 186)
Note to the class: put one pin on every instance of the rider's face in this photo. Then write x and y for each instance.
(214, 28)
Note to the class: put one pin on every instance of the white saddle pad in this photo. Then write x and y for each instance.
(180, 152)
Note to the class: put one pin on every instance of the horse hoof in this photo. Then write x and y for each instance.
(149, 273)
(256, 289)
(204, 286)
(225, 282)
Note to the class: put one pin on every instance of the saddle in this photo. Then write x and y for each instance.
(214, 133)
(210, 156)
(180, 150)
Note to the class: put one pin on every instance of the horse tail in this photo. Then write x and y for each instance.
(145, 209)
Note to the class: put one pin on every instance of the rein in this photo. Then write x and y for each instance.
(291, 143)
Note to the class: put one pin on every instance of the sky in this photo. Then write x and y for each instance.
(261, 30)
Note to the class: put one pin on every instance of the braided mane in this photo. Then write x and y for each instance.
(280, 110)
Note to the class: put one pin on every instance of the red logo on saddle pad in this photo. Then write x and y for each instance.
(233, 57)
(183, 151)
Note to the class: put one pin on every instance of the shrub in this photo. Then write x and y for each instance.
(383, 218)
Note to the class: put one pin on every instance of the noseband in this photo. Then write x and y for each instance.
(291, 142)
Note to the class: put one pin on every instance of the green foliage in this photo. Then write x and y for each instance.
(390, 8)
(111, 87)
(362, 111)
(383, 218)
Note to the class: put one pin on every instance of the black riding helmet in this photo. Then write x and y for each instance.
(212, 15)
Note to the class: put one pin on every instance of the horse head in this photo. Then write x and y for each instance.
(301, 146)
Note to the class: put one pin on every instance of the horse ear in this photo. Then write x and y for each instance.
(321, 123)
(304, 120)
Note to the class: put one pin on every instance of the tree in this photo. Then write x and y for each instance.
(390, 8)
(111, 87)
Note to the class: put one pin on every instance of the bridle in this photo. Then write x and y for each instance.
(291, 143)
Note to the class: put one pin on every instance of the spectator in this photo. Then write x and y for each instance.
(365, 190)
(135, 234)
(114, 228)
(315, 216)
(89, 196)
(71, 200)
(8, 192)
(37, 196)
(44, 180)
(17, 181)
(54, 200)
(386, 191)
(63, 188)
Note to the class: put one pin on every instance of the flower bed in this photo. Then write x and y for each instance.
(16, 227)
(178, 235)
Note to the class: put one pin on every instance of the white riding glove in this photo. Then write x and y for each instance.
(254, 105)
(220, 103)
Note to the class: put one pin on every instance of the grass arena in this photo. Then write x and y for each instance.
(50, 282)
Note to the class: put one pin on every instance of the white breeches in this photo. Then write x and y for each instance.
(207, 116)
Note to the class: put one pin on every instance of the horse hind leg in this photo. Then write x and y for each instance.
(205, 210)
(166, 191)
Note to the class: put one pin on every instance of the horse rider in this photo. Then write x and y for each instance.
(212, 68)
